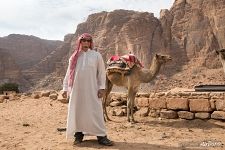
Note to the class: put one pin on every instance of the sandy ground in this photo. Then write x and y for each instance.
(28, 124)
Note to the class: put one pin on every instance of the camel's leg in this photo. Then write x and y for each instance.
(132, 98)
(130, 105)
(109, 86)
(128, 108)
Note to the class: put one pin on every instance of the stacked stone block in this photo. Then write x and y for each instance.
(185, 105)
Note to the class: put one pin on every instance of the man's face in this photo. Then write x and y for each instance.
(85, 44)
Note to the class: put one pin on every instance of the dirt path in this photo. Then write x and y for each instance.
(28, 124)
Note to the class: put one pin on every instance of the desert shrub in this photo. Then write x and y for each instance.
(9, 87)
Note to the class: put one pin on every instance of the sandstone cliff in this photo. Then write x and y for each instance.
(194, 29)
(121, 31)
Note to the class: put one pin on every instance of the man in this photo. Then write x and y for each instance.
(84, 83)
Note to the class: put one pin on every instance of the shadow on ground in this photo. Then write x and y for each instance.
(196, 123)
(131, 146)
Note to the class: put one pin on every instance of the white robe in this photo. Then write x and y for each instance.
(85, 113)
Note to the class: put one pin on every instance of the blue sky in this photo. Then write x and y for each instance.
(52, 19)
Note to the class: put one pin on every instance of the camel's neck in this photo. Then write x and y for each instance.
(148, 75)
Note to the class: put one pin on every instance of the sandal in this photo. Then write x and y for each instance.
(103, 140)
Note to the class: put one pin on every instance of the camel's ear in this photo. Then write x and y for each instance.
(156, 55)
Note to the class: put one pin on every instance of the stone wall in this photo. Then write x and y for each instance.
(172, 105)
(168, 105)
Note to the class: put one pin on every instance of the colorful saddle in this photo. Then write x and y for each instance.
(123, 64)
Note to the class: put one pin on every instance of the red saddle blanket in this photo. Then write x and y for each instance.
(130, 60)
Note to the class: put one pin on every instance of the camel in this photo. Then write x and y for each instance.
(132, 82)
(221, 54)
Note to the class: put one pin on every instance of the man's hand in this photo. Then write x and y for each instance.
(64, 94)
(101, 93)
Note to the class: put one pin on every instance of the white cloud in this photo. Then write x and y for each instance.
(52, 19)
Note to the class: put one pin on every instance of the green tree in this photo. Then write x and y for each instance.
(9, 87)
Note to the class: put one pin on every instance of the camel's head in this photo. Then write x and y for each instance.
(221, 53)
(163, 58)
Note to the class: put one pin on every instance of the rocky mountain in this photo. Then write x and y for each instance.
(21, 53)
(121, 31)
(10, 71)
(190, 32)
(49, 72)
(8, 67)
(194, 28)
(54, 62)
(27, 50)
(190, 29)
